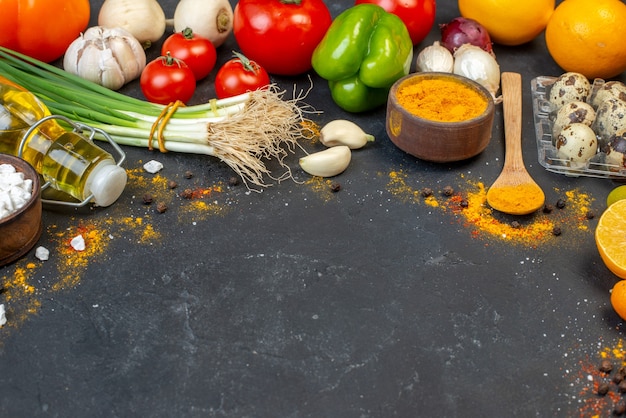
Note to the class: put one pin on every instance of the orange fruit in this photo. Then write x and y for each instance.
(588, 37)
(509, 22)
(611, 237)
(618, 298)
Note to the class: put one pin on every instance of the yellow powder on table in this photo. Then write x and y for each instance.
(441, 100)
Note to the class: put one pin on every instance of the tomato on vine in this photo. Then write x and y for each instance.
(417, 15)
(238, 76)
(280, 35)
(196, 51)
(167, 79)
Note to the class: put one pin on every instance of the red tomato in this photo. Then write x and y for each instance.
(167, 79)
(42, 29)
(240, 75)
(417, 15)
(197, 52)
(280, 35)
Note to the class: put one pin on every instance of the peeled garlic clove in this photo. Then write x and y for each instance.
(327, 163)
(435, 58)
(344, 132)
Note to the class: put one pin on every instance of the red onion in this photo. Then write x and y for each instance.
(461, 31)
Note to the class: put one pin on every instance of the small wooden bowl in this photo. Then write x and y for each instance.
(438, 141)
(21, 230)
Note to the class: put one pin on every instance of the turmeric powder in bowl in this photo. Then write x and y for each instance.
(439, 117)
(442, 100)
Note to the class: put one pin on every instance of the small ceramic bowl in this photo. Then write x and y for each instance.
(21, 230)
(436, 141)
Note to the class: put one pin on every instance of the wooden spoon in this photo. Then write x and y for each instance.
(514, 191)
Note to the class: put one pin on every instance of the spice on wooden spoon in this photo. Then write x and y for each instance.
(514, 191)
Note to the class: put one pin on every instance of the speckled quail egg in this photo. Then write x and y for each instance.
(615, 149)
(610, 118)
(609, 90)
(572, 112)
(576, 143)
(569, 87)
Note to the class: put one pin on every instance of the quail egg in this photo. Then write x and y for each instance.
(615, 149)
(610, 118)
(569, 87)
(576, 143)
(572, 112)
(609, 90)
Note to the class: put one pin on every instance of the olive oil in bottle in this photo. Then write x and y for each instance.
(68, 160)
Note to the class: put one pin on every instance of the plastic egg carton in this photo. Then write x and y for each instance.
(544, 117)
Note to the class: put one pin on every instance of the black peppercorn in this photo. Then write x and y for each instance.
(606, 366)
(556, 231)
(187, 194)
(548, 208)
(188, 174)
(427, 191)
(172, 184)
(560, 204)
(448, 191)
(464, 203)
(335, 187)
(516, 225)
(161, 207)
(147, 199)
(233, 181)
(590, 215)
(620, 408)
(603, 389)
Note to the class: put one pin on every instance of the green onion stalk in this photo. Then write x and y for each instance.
(241, 131)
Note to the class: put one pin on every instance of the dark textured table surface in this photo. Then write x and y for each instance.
(301, 302)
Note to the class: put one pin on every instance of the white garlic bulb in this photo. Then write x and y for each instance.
(435, 58)
(110, 57)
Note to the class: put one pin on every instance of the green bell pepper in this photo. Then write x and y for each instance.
(363, 53)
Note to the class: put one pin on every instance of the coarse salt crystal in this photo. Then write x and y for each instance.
(42, 253)
(15, 190)
(153, 166)
(3, 317)
(78, 243)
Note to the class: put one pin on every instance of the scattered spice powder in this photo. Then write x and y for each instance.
(471, 209)
(323, 187)
(441, 100)
(599, 381)
(17, 289)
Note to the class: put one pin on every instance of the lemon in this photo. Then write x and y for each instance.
(616, 194)
(587, 37)
(509, 22)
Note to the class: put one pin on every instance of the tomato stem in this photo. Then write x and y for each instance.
(245, 62)
(296, 2)
(187, 33)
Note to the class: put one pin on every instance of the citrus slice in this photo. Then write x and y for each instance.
(618, 298)
(611, 238)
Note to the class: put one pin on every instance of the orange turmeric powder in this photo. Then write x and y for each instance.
(441, 100)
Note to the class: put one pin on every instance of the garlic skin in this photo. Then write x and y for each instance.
(344, 132)
(144, 19)
(435, 58)
(479, 65)
(328, 163)
(109, 57)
